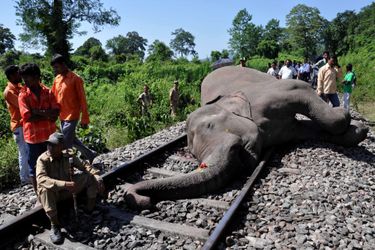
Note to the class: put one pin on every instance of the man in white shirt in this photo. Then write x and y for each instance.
(287, 71)
(273, 71)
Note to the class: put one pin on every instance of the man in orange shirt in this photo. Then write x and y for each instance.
(11, 93)
(70, 94)
(39, 111)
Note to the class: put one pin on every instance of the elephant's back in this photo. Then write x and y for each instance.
(226, 80)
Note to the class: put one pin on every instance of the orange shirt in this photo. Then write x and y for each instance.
(36, 131)
(70, 94)
(11, 93)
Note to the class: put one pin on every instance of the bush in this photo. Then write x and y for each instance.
(9, 172)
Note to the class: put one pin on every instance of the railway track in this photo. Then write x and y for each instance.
(292, 206)
(158, 163)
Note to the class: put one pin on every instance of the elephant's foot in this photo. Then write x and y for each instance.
(136, 201)
(355, 133)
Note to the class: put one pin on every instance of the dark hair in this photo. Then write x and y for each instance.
(57, 58)
(349, 67)
(326, 52)
(30, 69)
(10, 70)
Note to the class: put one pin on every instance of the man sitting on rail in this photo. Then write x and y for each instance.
(56, 182)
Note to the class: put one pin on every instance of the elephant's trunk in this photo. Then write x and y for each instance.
(222, 166)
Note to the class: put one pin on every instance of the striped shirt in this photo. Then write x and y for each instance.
(36, 131)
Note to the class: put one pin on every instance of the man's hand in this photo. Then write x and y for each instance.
(70, 186)
(84, 126)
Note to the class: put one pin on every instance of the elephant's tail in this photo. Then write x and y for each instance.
(222, 166)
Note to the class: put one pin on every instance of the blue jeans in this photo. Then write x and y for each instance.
(35, 150)
(68, 128)
(333, 98)
(23, 152)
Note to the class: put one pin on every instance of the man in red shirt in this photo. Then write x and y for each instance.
(11, 93)
(39, 111)
(70, 94)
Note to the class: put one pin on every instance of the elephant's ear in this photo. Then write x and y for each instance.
(237, 103)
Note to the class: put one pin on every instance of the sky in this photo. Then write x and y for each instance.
(207, 20)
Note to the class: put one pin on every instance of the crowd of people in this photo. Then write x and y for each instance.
(323, 76)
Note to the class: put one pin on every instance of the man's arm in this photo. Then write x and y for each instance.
(44, 180)
(319, 88)
(11, 98)
(85, 119)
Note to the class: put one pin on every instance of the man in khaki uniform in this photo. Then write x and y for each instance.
(55, 181)
(145, 100)
(174, 98)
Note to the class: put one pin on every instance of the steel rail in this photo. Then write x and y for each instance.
(24, 222)
(219, 230)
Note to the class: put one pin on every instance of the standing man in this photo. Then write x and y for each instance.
(145, 100)
(56, 181)
(70, 94)
(316, 67)
(11, 94)
(287, 71)
(39, 111)
(273, 70)
(348, 83)
(327, 88)
(174, 96)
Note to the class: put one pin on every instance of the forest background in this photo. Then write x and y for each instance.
(115, 78)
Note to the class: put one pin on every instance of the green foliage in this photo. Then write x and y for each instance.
(305, 29)
(245, 35)
(93, 138)
(132, 44)
(269, 45)
(159, 51)
(53, 23)
(6, 39)
(363, 61)
(9, 173)
(338, 32)
(183, 43)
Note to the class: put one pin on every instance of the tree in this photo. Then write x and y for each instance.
(245, 35)
(6, 39)
(305, 27)
(224, 53)
(84, 49)
(338, 34)
(215, 55)
(131, 45)
(365, 30)
(183, 43)
(269, 46)
(159, 51)
(53, 22)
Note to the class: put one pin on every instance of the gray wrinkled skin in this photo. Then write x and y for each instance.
(243, 112)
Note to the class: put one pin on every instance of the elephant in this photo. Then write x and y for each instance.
(243, 112)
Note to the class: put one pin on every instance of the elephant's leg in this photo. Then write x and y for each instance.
(306, 102)
(308, 129)
(223, 164)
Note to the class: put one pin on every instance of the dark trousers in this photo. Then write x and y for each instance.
(35, 150)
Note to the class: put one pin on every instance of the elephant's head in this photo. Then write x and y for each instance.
(225, 140)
